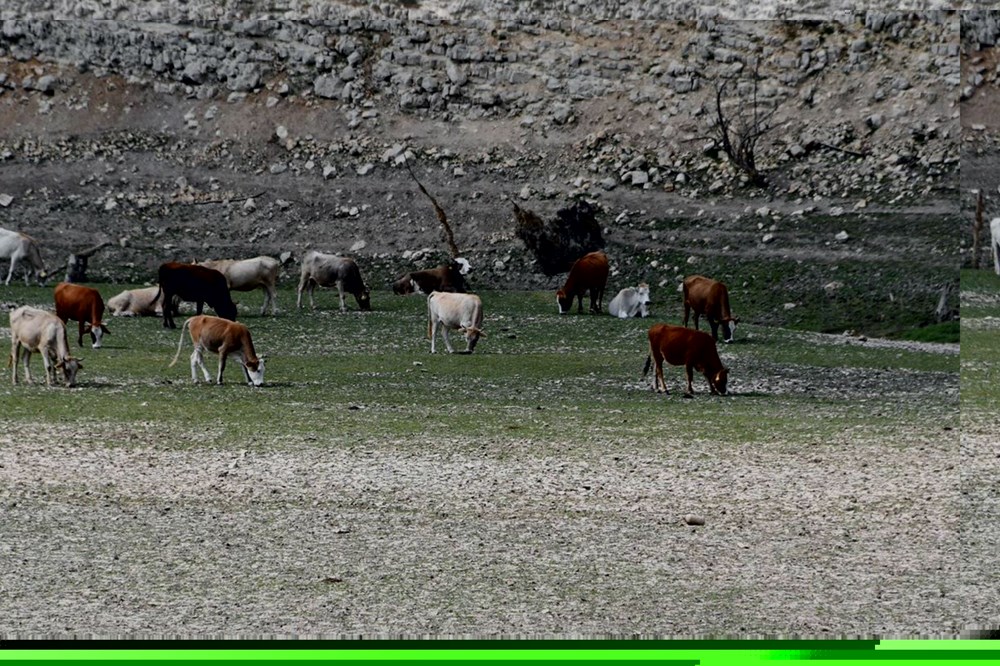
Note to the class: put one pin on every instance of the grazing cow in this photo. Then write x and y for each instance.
(143, 302)
(85, 306)
(630, 302)
(326, 269)
(33, 330)
(448, 277)
(249, 274)
(588, 273)
(694, 350)
(710, 298)
(226, 338)
(201, 285)
(994, 237)
(17, 246)
(463, 312)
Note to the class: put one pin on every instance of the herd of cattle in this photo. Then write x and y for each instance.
(449, 307)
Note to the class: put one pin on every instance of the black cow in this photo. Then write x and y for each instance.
(195, 284)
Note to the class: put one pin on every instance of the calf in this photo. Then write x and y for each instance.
(249, 274)
(630, 302)
(33, 330)
(201, 285)
(143, 302)
(17, 246)
(449, 277)
(692, 349)
(588, 273)
(326, 270)
(463, 312)
(86, 307)
(226, 338)
(710, 298)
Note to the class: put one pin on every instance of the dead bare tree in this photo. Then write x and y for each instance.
(741, 120)
(76, 263)
(449, 237)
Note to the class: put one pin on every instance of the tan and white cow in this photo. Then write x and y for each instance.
(34, 330)
(17, 247)
(225, 338)
(462, 312)
(249, 274)
(142, 302)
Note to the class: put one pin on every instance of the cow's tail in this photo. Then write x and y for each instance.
(645, 368)
(180, 343)
(152, 304)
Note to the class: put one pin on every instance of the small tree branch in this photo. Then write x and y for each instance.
(448, 235)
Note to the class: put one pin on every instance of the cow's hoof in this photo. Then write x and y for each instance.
(689, 395)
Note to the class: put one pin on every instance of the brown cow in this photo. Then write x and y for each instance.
(84, 305)
(710, 298)
(588, 273)
(197, 284)
(448, 277)
(226, 338)
(692, 349)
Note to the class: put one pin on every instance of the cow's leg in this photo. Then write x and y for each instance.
(433, 330)
(200, 307)
(715, 328)
(579, 303)
(198, 361)
(340, 292)
(689, 370)
(658, 381)
(82, 328)
(15, 353)
(269, 299)
(687, 313)
(222, 366)
(996, 256)
(168, 310)
(444, 334)
(26, 356)
(10, 273)
(50, 371)
(697, 317)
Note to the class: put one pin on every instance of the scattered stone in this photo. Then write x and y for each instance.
(329, 171)
(767, 238)
(249, 205)
(842, 236)
(6, 200)
(694, 519)
(358, 246)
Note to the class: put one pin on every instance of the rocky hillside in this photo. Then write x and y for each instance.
(193, 129)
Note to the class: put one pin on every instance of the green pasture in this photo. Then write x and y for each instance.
(539, 378)
(980, 340)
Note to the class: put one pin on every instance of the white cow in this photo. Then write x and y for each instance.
(325, 270)
(143, 302)
(630, 302)
(17, 246)
(33, 330)
(463, 312)
(249, 274)
(995, 242)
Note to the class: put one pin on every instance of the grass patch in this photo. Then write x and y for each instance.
(540, 381)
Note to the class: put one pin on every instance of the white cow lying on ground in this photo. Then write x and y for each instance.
(463, 312)
(143, 302)
(226, 338)
(33, 330)
(249, 274)
(17, 246)
(630, 302)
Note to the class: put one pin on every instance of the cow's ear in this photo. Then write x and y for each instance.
(87, 327)
(105, 329)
